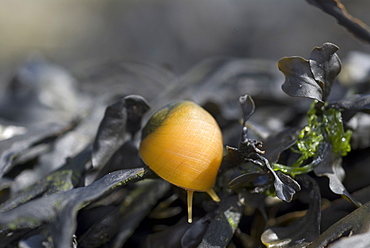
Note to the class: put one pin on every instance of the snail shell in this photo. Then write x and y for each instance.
(183, 144)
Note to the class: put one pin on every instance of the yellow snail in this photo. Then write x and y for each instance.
(183, 144)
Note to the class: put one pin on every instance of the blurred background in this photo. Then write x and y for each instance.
(171, 33)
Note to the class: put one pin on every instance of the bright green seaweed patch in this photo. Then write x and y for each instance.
(334, 128)
(310, 137)
(323, 124)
